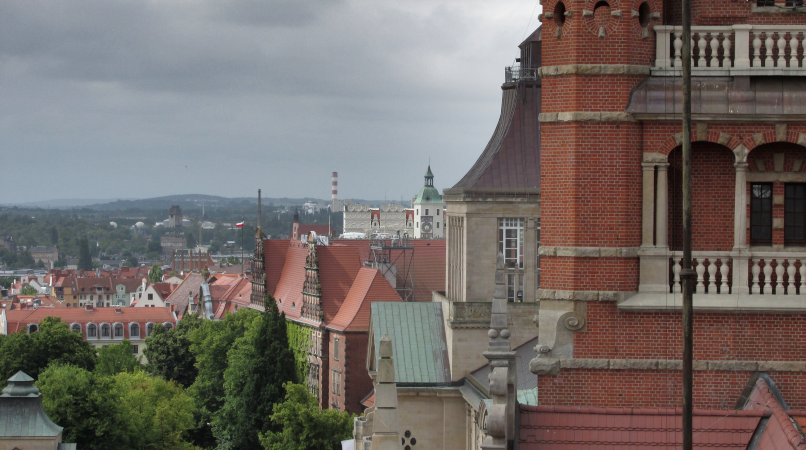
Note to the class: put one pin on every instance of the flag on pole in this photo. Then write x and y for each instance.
(239, 225)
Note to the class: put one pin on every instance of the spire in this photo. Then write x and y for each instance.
(21, 385)
(429, 177)
(258, 208)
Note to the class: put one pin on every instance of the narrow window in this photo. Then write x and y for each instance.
(135, 349)
(104, 330)
(151, 296)
(336, 349)
(794, 214)
(437, 224)
(118, 330)
(426, 211)
(91, 331)
(761, 214)
(135, 330)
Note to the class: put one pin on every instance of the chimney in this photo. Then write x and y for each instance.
(88, 307)
(334, 192)
(118, 311)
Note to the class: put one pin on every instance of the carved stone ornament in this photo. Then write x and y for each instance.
(472, 311)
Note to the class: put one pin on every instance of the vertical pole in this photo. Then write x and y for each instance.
(687, 274)
(244, 226)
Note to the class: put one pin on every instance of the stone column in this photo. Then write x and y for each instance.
(530, 260)
(740, 212)
(662, 211)
(648, 216)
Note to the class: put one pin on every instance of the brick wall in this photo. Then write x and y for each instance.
(352, 364)
(655, 389)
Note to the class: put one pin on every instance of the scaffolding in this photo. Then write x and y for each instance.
(393, 256)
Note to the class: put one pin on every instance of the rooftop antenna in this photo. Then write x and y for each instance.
(258, 208)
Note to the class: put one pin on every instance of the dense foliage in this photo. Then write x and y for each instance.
(169, 356)
(299, 339)
(117, 358)
(303, 426)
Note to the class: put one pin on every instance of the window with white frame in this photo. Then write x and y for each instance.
(510, 244)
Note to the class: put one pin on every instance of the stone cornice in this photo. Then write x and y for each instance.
(665, 364)
(584, 116)
(590, 296)
(589, 252)
(755, 118)
(593, 69)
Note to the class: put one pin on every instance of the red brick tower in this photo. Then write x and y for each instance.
(610, 315)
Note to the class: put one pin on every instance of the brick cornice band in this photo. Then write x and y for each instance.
(664, 364)
(593, 69)
(589, 252)
(582, 116)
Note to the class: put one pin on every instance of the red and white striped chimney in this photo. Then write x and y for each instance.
(334, 192)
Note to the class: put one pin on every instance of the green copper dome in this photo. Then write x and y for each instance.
(428, 194)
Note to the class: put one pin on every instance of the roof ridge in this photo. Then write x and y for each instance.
(643, 411)
(794, 436)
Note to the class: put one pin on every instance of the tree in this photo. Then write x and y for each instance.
(117, 358)
(84, 259)
(169, 356)
(190, 241)
(82, 402)
(155, 274)
(132, 262)
(304, 426)
(26, 261)
(154, 413)
(154, 246)
(211, 341)
(54, 236)
(28, 290)
(54, 343)
(259, 364)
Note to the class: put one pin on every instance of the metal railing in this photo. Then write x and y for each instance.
(517, 73)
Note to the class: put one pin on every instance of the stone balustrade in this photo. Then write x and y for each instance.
(736, 50)
(778, 274)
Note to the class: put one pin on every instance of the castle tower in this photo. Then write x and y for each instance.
(295, 226)
(175, 217)
(428, 212)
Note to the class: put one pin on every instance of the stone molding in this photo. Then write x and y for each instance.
(593, 69)
(589, 296)
(589, 252)
(672, 364)
(584, 116)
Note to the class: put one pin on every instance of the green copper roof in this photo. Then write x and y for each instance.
(418, 340)
(21, 413)
(428, 194)
(428, 174)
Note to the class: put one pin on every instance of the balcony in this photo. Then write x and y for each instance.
(736, 50)
(738, 281)
(513, 74)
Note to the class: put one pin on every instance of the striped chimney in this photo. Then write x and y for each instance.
(334, 192)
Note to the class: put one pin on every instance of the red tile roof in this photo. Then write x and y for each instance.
(19, 320)
(188, 287)
(288, 292)
(338, 267)
(163, 289)
(780, 432)
(369, 286)
(274, 251)
(561, 428)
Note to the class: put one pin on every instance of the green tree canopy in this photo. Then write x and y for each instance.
(211, 342)
(84, 259)
(132, 262)
(154, 413)
(189, 240)
(259, 364)
(155, 274)
(304, 426)
(117, 358)
(169, 356)
(28, 290)
(81, 402)
(53, 343)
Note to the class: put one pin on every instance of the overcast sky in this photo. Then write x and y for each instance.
(137, 99)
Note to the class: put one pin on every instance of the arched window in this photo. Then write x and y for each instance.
(105, 330)
(92, 330)
(168, 326)
(119, 330)
(75, 327)
(149, 329)
(33, 328)
(134, 330)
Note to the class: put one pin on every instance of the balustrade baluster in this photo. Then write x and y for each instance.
(790, 280)
(755, 286)
(726, 50)
(767, 278)
(701, 45)
(802, 271)
(793, 50)
(768, 46)
(781, 50)
(678, 45)
(756, 49)
(724, 269)
(779, 278)
(712, 275)
(700, 271)
(676, 287)
(714, 62)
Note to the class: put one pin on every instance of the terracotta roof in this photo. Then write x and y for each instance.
(292, 278)
(163, 289)
(19, 320)
(338, 267)
(561, 428)
(90, 285)
(369, 286)
(130, 284)
(369, 400)
(188, 287)
(274, 251)
(780, 433)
